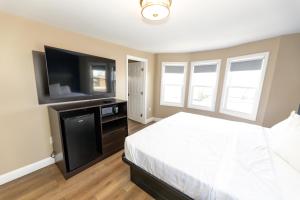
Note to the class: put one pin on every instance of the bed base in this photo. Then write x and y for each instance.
(152, 185)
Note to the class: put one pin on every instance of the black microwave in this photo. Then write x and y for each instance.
(108, 111)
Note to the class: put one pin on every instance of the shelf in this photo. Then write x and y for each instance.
(112, 130)
(113, 118)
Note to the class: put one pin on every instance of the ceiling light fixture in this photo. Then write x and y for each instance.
(155, 9)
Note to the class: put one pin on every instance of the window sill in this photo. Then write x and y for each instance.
(239, 114)
(211, 109)
(171, 104)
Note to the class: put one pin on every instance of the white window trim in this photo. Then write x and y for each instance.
(164, 64)
(253, 116)
(206, 62)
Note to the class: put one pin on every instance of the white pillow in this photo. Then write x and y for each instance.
(286, 140)
(279, 128)
(295, 120)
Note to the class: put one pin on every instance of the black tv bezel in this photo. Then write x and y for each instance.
(79, 98)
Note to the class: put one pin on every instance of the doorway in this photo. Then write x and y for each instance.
(137, 88)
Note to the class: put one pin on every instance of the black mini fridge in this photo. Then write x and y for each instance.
(81, 141)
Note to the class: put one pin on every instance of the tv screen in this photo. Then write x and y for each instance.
(78, 76)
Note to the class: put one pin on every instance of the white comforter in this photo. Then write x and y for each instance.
(207, 158)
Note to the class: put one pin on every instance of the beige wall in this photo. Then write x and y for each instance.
(24, 125)
(281, 90)
(285, 91)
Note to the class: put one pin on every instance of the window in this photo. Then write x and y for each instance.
(204, 84)
(173, 84)
(243, 85)
(99, 78)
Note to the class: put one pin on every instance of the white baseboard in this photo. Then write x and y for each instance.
(12, 175)
(156, 119)
(152, 119)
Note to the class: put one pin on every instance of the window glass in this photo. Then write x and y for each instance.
(203, 85)
(172, 84)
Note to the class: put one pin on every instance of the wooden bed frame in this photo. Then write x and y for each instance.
(152, 185)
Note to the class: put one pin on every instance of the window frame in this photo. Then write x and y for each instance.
(215, 92)
(253, 116)
(163, 65)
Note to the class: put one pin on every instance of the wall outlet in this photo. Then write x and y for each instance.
(51, 140)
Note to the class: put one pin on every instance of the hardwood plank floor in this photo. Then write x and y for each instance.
(134, 126)
(107, 180)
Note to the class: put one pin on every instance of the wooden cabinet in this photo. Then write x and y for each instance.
(111, 128)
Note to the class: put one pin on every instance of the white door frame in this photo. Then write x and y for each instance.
(145, 61)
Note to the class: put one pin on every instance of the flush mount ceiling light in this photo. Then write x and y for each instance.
(155, 9)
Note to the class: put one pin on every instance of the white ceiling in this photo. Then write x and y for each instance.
(193, 25)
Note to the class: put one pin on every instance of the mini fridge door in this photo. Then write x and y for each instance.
(80, 140)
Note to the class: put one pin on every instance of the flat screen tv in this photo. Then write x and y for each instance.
(78, 76)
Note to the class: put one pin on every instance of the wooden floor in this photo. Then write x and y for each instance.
(107, 180)
(135, 126)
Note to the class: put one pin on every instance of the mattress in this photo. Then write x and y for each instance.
(208, 158)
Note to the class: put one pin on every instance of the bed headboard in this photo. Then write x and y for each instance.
(299, 110)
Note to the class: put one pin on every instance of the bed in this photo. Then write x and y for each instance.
(188, 156)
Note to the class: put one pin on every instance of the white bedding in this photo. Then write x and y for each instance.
(288, 179)
(208, 158)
